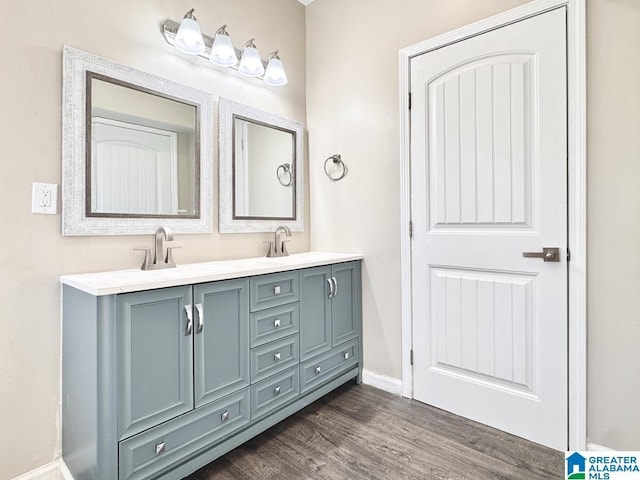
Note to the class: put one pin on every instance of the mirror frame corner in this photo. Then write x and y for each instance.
(75, 222)
(228, 110)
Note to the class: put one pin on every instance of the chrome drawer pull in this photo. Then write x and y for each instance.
(317, 370)
(161, 448)
(276, 323)
(277, 357)
(224, 416)
(346, 355)
(276, 290)
(187, 308)
(276, 391)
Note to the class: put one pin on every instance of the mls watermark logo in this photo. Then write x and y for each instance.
(602, 465)
(575, 468)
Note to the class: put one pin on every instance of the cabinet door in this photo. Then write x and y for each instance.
(315, 311)
(345, 304)
(221, 326)
(154, 364)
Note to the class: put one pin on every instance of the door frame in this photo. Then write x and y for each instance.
(577, 199)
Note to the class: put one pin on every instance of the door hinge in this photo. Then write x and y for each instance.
(410, 228)
(411, 357)
(568, 255)
(409, 100)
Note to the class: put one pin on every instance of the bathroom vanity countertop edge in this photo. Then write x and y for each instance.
(133, 280)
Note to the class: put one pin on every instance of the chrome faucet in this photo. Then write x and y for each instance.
(277, 248)
(159, 259)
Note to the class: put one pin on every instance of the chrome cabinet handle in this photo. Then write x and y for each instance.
(276, 391)
(335, 286)
(187, 308)
(224, 416)
(200, 318)
(548, 254)
(276, 290)
(346, 355)
(330, 287)
(317, 370)
(276, 323)
(277, 357)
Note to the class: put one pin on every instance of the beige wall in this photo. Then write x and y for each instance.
(33, 254)
(613, 95)
(353, 109)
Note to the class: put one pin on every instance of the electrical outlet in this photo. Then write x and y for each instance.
(44, 198)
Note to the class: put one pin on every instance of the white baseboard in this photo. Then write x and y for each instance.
(383, 382)
(55, 470)
(594, 447)
(65, 474)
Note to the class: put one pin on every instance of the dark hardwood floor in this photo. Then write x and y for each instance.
(360, 432)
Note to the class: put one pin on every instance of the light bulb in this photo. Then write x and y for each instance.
(251, 63)
(275, 75)
(189, 38)
(222, 51)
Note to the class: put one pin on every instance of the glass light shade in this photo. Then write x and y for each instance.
(189, 39)
(222, 51)
(275, 75)
(250, 63)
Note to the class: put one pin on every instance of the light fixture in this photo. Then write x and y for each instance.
(222, 51)
(250, 63)
(275, 75)
(189, 39)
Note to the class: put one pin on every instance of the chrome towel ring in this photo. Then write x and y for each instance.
(283, 173)
(337, 169)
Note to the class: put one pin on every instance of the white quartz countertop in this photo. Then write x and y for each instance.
(123, 281)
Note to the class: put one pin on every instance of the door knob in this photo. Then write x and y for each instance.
(548, 254)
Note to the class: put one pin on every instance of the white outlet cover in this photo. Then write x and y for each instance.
(44, 198)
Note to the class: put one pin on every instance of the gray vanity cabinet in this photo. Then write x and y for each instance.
(330, 307)
(157, 383)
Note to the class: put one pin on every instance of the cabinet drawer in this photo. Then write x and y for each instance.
(274, 357)
(321, 368)
(155, 450)
(274, 323)
(274, 289)
(268, 395)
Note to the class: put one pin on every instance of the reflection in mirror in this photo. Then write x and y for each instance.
(263, 180)
(261, 166)
(137, 150)
(142, 156)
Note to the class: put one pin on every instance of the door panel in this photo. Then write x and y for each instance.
(488, 167)
(481, 175)
(221, 339)
(154, 358)
(315, 312)
(344, 304)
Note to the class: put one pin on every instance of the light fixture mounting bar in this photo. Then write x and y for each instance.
(170, 28)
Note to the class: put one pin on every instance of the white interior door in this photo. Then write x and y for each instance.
(489, 182)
